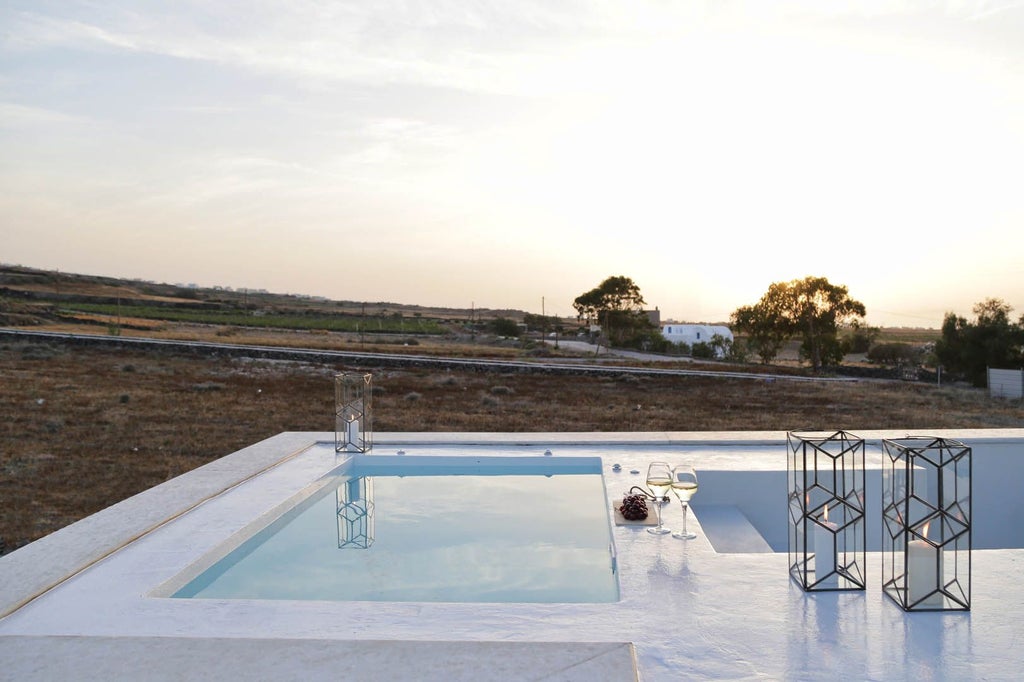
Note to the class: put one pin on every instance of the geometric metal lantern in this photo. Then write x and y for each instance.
(353, 427)
(827, 529)
(355, 509)
(926, 518)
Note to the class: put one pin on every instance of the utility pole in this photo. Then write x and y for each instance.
(543, 322)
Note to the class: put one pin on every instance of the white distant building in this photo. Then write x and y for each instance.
(691, 334)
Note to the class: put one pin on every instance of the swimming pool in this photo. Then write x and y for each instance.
(428, 529)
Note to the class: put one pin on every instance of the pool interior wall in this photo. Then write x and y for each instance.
(76, 602)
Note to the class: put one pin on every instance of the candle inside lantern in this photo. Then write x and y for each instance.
(825, 549)
(353, 432)
(924, 572)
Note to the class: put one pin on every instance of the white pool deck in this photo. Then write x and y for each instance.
(78, 604)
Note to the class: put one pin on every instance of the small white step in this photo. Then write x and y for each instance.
(729, 530)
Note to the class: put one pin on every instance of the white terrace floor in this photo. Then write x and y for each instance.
(74, 605)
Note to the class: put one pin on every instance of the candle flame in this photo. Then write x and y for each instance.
(924, 530)
(826, 512)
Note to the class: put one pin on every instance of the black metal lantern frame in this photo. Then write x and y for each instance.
(353, 423)
(827, 530)
(926, 516)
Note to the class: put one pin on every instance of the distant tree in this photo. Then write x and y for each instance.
(896, 354)
(722, 346)
(992, 340)
(651, 339)
(861, 337)
(819, 308)
(617, 305)
(765, 324)
(542, 323)
(502, 326)
(811, 308)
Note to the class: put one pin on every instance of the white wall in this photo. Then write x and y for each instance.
(694, 333)
(1006, 383)
(997, 507)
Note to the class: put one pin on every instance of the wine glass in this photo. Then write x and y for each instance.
(684, 485)
(659, 479)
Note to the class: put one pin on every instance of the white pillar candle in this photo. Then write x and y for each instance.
(353, 432)
(924, 573)
(825, 550)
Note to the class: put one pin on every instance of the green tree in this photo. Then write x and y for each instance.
(811, 308)
(765, 324)
(819, 309)
(617, 305)
(992, 340)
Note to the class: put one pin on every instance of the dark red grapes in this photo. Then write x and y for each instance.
(634, 508)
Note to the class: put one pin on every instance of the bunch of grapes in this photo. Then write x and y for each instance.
(634, 507)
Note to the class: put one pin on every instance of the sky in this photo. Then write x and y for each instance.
(515, 153)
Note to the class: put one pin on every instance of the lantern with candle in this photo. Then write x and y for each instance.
(827, 533)
(352, 412)
(926, 515)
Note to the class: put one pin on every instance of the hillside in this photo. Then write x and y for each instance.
(39, 290)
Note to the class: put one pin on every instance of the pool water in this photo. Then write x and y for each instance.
(430, 534)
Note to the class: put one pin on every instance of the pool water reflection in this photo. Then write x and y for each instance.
(497, 534)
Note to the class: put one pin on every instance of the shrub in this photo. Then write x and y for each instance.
(895, 354)
(503, 326)
(703, 350)
(501, 390)
(412, 396)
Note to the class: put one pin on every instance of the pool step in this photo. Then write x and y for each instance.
(729, 530)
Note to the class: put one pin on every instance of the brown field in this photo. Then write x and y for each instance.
(86, 427)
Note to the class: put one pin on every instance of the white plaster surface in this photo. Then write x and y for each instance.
(191, 658)
(691, 613)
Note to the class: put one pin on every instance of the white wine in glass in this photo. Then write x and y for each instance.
(684, 485)
(659, 480)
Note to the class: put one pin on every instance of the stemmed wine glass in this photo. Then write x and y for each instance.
(684, 485)
(659, 479)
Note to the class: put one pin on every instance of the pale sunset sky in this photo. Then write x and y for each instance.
(501, 154)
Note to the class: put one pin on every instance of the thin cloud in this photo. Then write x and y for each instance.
(19, 115)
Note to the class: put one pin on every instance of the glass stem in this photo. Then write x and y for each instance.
(684, 516)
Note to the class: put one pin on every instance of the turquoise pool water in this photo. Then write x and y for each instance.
(432, 531)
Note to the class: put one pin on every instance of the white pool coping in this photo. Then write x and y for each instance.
(685, 611)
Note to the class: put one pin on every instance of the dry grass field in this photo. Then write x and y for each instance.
(85, 427)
